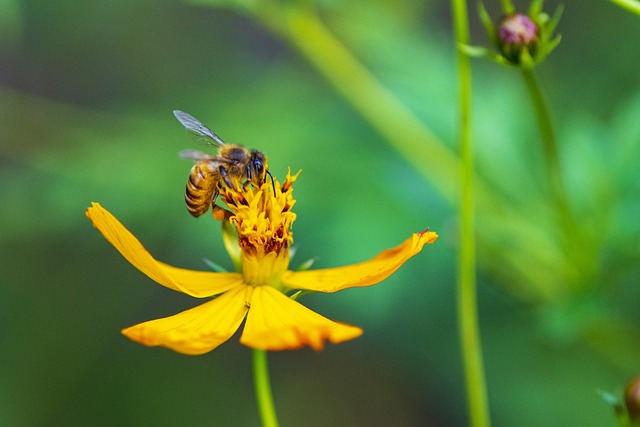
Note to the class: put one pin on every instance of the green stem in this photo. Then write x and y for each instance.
(632, 6)
(572, 240)
(391, 118)
(467, 304)
(550, 147)
(262, 385)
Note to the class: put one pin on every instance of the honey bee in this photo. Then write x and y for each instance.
(234, 162)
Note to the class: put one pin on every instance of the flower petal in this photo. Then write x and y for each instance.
(363, 274)
(199, 329)
(198, 284)
(276, 322)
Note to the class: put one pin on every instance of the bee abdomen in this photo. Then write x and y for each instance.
(200, 189)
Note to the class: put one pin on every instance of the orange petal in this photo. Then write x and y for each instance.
(363, 274)
(199, 329)
(198, 284)
(276, 322)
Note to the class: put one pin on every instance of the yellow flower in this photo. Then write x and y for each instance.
(274, 321)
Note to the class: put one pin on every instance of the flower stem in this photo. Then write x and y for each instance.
(630, 5)
(550, 146)
(467, 304)
(573, 243)
(391, 118)
(262, 385)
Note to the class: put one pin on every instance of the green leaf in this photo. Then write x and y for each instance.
(526, 60)
(621, 413)
(553, 23)
(535, 9)
(307, 264)
(487, 22)
(474, 51)
(508, 7)
(214, 266)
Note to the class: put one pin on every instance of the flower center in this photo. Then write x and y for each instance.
(263, 221)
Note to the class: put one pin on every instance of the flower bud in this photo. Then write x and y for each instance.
(523, 40)
(516, 33)
(632, 399)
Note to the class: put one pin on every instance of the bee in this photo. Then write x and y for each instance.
(234, 162)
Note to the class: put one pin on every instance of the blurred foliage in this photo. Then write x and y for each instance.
(86, 93)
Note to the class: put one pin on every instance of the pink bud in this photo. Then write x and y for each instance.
(517, 29)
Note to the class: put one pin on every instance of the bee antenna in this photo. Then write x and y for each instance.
(272, 182)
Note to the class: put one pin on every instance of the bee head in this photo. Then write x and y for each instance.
(257, 170)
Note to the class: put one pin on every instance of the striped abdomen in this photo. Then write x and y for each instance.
(201, 187)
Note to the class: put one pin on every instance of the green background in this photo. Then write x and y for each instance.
(86, 94)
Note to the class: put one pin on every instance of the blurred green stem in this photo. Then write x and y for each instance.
(550, 146)
(630, 5)
(467, 303)
(377, 104)
(571, 237)
(262, 385)
(507, 7)
(411, 138)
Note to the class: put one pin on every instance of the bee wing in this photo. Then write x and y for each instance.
(196, 130)
(198, 156)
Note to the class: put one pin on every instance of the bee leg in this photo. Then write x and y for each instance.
(225, 176)
(214, 197)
